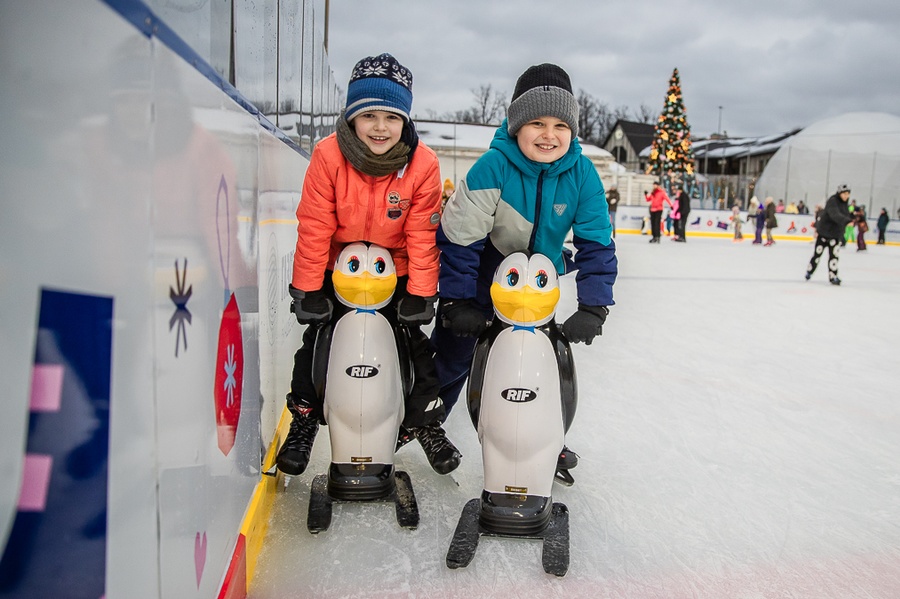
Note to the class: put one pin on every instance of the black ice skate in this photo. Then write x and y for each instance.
(441, 453)
(567, 460)
(294, 454)
(404, 436)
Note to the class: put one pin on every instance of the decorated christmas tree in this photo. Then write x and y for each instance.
(671, 155)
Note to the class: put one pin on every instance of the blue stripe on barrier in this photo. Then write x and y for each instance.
(150, 25)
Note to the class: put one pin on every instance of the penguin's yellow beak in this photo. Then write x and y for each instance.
(365, 290)
(525, 305)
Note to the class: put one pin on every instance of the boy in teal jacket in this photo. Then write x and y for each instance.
(524, 194)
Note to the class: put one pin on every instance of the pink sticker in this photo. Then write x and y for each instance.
(35, 482)
(199, 555)
(46, 387)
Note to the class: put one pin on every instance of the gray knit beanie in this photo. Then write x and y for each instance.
(543, 90)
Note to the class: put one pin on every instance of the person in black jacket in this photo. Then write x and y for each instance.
(883, 220)
(612, 198)
(684, 208)
(830, 232)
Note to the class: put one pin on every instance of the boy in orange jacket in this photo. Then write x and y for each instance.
(373, 181)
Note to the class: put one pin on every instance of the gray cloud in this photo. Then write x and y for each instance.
(773, 65)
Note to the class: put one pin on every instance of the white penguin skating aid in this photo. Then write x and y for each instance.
(521, 397)
(362, 368)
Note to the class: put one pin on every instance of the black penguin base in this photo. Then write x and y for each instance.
(554, 534)
(383, 484)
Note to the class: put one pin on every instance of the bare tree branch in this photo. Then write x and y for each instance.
(644, 114)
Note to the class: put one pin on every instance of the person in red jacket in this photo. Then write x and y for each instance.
(372, 181)
(656, 198)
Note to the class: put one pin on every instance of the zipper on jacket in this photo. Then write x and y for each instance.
(370, 208)
(537, 211)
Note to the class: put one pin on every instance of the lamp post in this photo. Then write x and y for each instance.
(719, 130)
(327, 15)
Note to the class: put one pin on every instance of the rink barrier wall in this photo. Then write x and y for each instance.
(145, 21)
(183, 216)
(718, 224)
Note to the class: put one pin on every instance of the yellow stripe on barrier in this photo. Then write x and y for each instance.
(255, 525)
(278, 221)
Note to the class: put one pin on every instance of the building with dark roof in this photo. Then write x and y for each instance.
(727, 168)
(625, 142)
(743, 156)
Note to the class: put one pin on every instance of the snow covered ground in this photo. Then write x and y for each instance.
(739, 433)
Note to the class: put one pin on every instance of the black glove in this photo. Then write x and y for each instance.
(463, 317)
(585, 324)
(310, 307)
(415, 310)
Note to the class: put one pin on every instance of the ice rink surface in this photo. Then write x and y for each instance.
(739, 434)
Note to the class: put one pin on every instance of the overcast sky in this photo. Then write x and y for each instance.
(772, 65)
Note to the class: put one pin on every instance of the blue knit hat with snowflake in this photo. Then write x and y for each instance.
(379, 83)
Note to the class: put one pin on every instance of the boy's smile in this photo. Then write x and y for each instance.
(544, 139)
(379, 130)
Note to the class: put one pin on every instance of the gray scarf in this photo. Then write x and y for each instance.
(366, 161)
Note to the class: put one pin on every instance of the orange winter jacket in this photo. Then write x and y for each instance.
(340, 205)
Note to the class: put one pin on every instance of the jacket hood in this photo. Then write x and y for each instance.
(507, 145)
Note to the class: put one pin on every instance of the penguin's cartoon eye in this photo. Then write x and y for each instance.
(541, 279)
(353, 264)
(380, 265)
(512, 277)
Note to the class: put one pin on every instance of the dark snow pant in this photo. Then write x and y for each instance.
(833, 246)
(880, 236)
(420, 406)
(453, 355)
(453, 360)
(655, 222)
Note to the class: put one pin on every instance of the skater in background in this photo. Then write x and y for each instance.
(534, 154)
(862, 227)
(373, 181)
(770, 221)
(759, 221)
(850, 229)
(752, 209)
(830, 233)
(736, 219)
(657, 198)
(612, 198)
(684, 208)
(675, 217)
(448, 191)
(883, 220)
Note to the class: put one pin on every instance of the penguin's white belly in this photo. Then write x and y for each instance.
(520, 423)
(364, 393)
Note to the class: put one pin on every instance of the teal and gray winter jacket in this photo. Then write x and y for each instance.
(508, 203)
